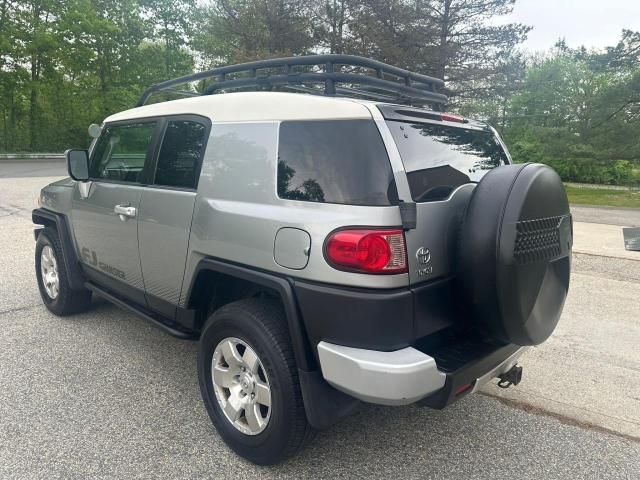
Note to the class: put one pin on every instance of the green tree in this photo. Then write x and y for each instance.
(450, 39)
(240, 30)
(579, 111)
(172, 24)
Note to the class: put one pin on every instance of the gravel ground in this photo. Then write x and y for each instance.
(587, 371)
(105, 395)
(615, 268)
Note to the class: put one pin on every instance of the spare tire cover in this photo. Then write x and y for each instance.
(515, 253)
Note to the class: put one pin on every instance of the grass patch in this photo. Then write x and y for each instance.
(610, 198)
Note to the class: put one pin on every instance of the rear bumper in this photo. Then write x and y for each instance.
(407, 375)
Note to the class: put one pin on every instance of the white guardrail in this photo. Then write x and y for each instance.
(31, 157)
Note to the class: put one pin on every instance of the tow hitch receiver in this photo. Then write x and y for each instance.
(511, 377)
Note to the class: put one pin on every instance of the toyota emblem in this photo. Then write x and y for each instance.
(423, 255)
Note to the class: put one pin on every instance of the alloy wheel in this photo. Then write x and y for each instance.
(241, 386)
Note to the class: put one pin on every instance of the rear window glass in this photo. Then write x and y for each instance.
(334, 161)
(440, 158)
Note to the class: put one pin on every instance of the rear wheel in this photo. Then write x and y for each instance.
(52, 277)
(249, 381)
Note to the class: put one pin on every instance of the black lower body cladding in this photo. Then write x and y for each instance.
(515, 253)
(372, 319)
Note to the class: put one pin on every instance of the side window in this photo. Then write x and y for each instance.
(179, 159)
(121, 152)
(334, 161)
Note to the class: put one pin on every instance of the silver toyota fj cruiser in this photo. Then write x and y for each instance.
(326, 233)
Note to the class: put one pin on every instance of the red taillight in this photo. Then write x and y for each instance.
(450, 117)
(368, 251)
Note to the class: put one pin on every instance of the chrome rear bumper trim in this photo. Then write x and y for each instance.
(389, 378)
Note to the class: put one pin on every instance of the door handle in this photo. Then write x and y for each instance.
(125, 212)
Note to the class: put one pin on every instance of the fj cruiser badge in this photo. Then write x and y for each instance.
(423, 255)
(92, 259)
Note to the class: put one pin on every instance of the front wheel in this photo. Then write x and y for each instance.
(249, 381)
(53, 282)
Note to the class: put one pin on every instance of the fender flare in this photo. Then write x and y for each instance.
(301, 348)
(324, 405)
(42, 216)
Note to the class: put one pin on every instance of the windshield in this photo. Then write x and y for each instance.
(440, 158)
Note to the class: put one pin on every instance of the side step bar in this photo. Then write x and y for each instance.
(156, 320)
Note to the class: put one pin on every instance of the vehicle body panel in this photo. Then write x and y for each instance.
(431, 245)
(242, 157)
(57, 196)
(105, 242)
(164, 222)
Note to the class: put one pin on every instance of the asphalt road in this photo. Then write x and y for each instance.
(41, 168)
(105, 395)
(624, 217)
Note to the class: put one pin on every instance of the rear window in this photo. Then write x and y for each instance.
(334, 161)
(440, 158)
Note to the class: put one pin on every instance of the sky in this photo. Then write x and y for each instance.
(593, 23)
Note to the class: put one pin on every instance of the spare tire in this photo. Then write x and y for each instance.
(515, 253)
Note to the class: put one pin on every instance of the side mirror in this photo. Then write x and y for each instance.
(78, 164)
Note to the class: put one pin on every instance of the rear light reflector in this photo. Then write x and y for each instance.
(450, 117)
(462, 388)
(367, 250)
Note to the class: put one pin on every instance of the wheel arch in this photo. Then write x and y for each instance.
(241, 282)
(324, 405)
(48, 218)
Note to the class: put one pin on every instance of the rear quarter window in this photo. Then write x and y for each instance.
(440, 158)
(334, 161)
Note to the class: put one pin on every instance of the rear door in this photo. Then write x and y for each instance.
(105, 209)
(166, 209)
(443, 162)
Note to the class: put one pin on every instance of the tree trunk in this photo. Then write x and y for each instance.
(504, 114)
(336, 10)
(102, 77)
(5, 135)
(12, 122)
(33, 104)
(166, 49)
(35, 76)
(443, 54)
(3, 16)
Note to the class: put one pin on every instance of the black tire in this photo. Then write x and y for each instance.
(67, 301)
(261, 324)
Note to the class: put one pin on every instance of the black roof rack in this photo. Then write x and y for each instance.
(329, 74)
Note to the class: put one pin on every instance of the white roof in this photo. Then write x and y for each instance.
(254, 106)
